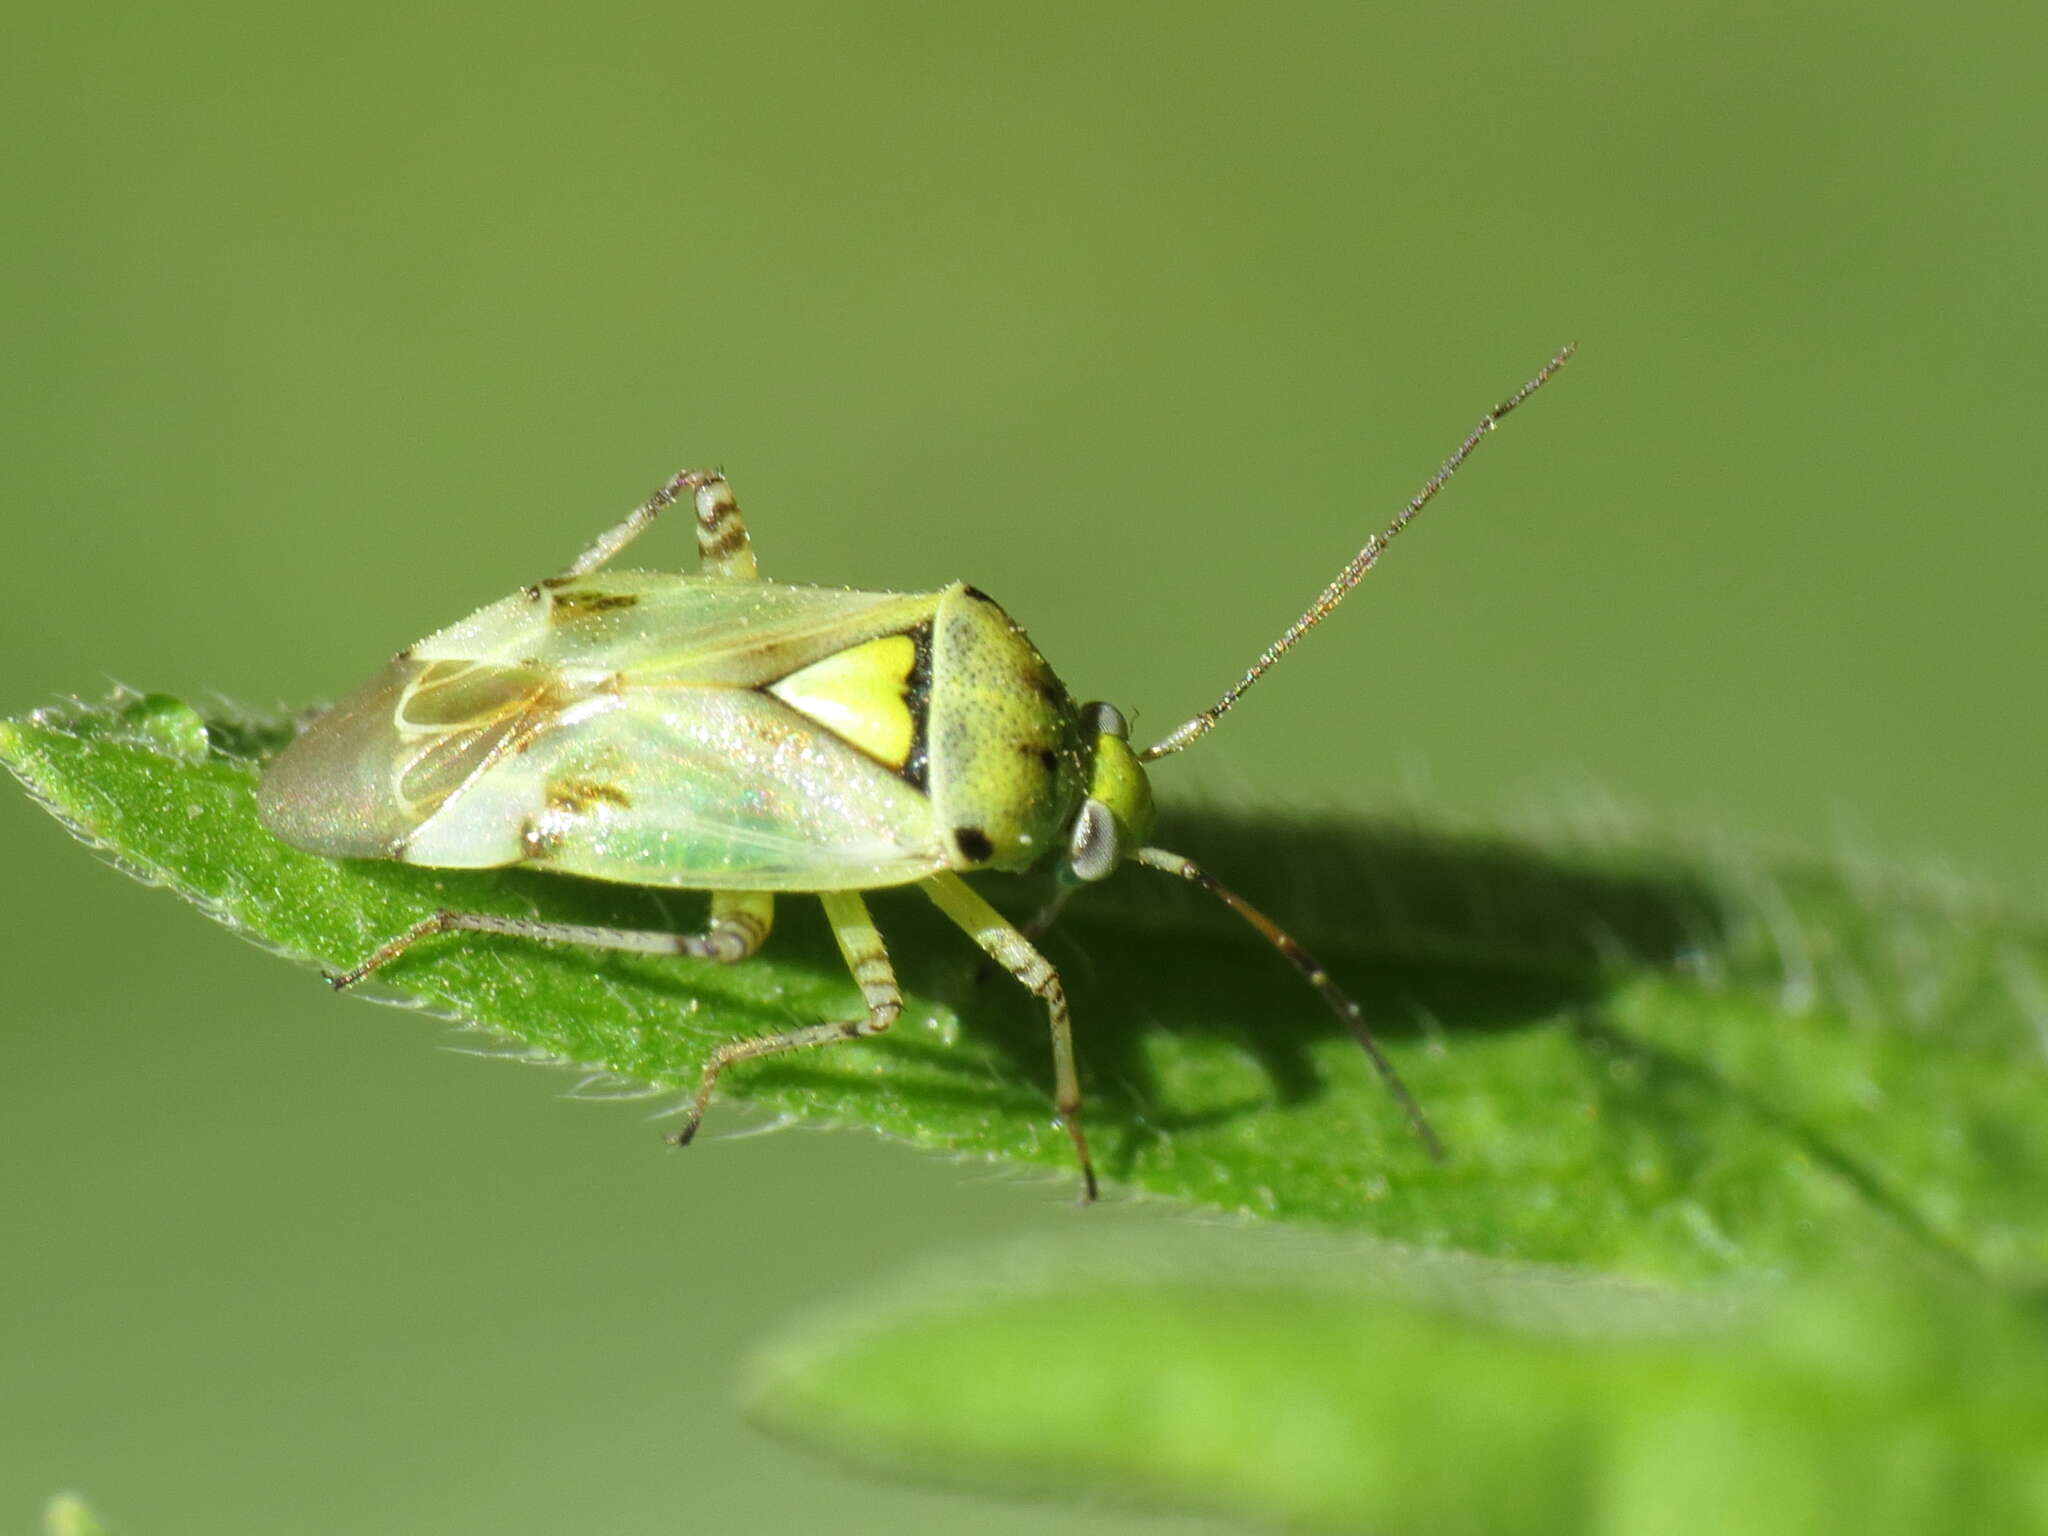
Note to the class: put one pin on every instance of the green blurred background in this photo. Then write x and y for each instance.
(326, 327)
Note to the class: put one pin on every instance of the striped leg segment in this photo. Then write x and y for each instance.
(1011, 950)
(861, 944)
(1036, 926)
(723, 546)
(739, 924)
(722, 543)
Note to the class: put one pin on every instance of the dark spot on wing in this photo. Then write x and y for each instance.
(577, 797)
(581, 602)
(537, 841)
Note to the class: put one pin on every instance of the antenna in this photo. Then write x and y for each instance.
(1352, 574)
(1312, 971)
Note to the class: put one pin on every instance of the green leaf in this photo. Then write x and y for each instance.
(1366, 1389)
(69, 1515)
(1645, 1057)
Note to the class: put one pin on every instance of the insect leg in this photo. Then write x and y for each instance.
(1312, 972)
(1036, 926)
(1010, 949)
(722, 541)
(861, 943)
(723, 545)
(740, 921)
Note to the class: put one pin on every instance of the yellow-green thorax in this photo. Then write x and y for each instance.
(1008, 761)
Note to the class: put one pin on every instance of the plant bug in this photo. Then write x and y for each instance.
(722, 733)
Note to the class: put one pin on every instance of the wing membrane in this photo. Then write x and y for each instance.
(362, 778)
(612, 726)
(705, 789)
(660, 630)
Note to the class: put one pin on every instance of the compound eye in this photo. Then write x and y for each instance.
(1093, 854)
(1105, 720)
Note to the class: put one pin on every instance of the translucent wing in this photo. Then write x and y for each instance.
(705, 788)
(613, 726)
(362, 778)
(659, 630)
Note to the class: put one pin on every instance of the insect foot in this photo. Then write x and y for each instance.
(438, 922)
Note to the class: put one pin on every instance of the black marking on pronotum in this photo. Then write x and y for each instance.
(917, 698)
(973, 844)
(1047, 758)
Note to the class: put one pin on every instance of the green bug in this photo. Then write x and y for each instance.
(722, 733)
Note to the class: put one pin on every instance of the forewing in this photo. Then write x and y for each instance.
(362, 779)
(658, 630)
(610, 726)
(700, 788)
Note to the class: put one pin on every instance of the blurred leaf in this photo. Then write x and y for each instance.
(1644, 1058)
(69, 1515)
(1377, 1391)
